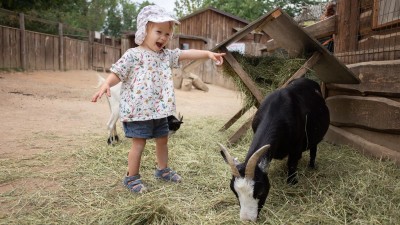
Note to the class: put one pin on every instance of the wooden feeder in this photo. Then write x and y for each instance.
(297, 42)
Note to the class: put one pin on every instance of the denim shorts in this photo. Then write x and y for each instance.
(146, 129)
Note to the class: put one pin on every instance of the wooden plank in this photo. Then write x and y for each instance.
(13, 53)
(321, 29)
(380, 78)
(7, 48)
(48, 45)
(42, 51)
(340, 136)
(356, 111)
(61, 41)
(391, 141)
(31, 50)
(2, 47)
(56, 50)
(22, 41)
(243, 75)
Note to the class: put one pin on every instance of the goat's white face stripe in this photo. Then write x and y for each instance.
(248, 205)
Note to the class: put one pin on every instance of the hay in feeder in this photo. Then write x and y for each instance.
(267, 72)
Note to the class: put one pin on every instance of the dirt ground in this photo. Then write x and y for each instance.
(37, 105)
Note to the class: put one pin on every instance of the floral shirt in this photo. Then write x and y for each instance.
(147, 90)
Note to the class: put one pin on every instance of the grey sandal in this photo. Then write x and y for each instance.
(134, 184)
(168, 174)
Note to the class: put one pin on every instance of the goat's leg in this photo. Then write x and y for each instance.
(292, 163)
(313, 155)
(112, 128)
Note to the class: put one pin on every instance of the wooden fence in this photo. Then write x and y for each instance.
(29, 50)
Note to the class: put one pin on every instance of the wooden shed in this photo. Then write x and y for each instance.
(206, 28)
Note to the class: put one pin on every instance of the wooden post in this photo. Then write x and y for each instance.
(90, 58)
(346, 38)
(61, 36)
(23, 40)
(243, 75)
(103, 42)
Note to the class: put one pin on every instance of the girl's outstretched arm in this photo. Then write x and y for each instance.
(192, 54)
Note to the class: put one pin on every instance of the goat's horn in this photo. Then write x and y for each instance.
(229, 159)
(251, 164)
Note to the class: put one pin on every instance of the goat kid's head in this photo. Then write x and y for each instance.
(174, 123)
(249, 182)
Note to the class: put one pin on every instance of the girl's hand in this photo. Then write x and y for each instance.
(105, 88)
(217, 57)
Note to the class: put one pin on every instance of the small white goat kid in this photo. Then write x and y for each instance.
(113, 103)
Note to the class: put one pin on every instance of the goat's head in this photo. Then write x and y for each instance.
(249, 182)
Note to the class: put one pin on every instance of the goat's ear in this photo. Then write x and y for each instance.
(263, 165)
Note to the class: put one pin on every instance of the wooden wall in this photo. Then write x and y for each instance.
(357, 40)
(10, 48)
(28, 50)
(366, 115)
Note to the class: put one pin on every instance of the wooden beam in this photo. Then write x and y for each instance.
(243, 75)
(303, 70)
(240, 113)
(340, 136)
(357, 111)
(239, 133)
(323, 28)
(378, 78)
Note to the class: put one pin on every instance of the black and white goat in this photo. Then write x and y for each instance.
(289, 121)
(113, 102)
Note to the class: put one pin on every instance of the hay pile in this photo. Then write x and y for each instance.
(267, 72)
(85, 185)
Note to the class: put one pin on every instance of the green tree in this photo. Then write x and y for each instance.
(186, 7)
(129, 14)
(246, 9)
(113, 23)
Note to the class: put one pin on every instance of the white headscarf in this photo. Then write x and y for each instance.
(154, 14)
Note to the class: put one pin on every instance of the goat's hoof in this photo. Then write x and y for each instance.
(312, 166)
(292, 180)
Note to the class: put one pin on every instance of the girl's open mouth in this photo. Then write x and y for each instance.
(159, 44)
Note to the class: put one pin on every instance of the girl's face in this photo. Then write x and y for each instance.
(158, 35)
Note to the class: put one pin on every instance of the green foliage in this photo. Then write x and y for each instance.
(117, 16)
(186, 7)
(249, 10)
(113, 17)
